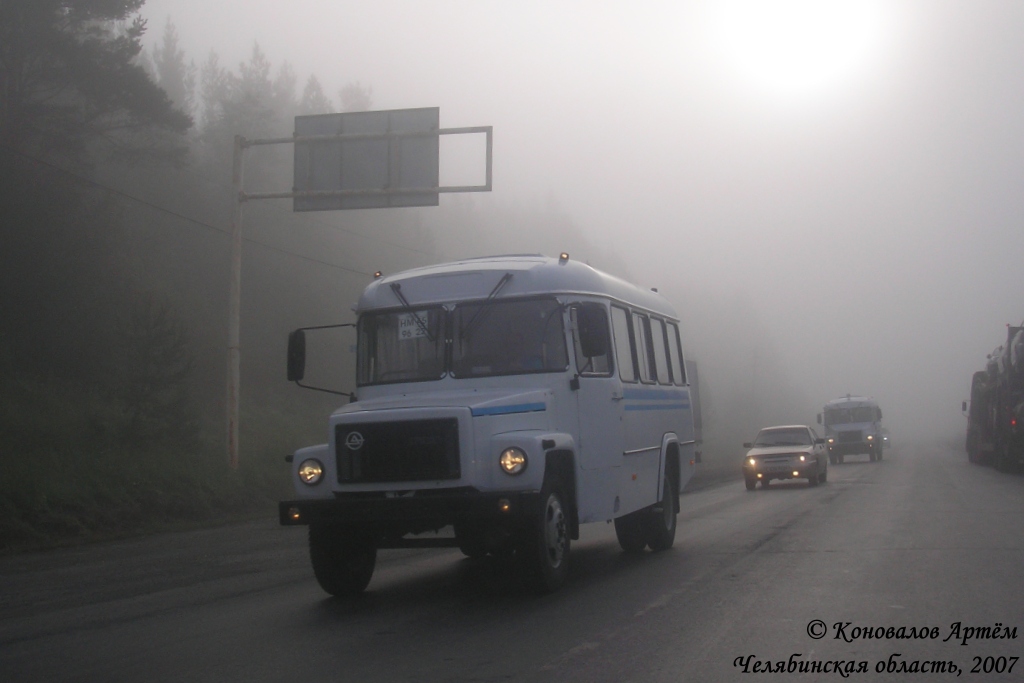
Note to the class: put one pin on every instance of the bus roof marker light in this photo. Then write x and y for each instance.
(563, 257)
(377, 274)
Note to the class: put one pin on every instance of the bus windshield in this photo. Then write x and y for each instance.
(508, 338)
(487, 338)
(401, 346)
(838, 416)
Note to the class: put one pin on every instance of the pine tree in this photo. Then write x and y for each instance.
(314, 101)
(356, 97)
(213, 84)
(72, 86)
(177, 78)
(283, 89)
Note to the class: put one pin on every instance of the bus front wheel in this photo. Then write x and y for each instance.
(343, 559)
(545, 544)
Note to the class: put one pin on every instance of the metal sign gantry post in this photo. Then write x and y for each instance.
(238, 171)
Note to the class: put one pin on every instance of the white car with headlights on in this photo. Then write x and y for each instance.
(785, 452)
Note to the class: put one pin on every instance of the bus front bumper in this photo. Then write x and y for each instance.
(430, 509)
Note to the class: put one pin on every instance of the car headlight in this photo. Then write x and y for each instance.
(311, 472)
(831, 440)
(752, 462)
(513, 460)
(803, 458)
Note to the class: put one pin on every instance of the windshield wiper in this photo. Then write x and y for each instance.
(397, 289)
(476, 318)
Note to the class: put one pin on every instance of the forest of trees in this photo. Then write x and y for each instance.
(115, 193)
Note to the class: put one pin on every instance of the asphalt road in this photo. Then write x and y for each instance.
(921, 539)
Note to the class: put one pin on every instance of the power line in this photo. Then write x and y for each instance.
(311, 217)
(171, 212)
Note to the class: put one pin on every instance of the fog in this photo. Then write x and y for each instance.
(824, 223)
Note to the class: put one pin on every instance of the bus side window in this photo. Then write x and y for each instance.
(675, 353)
(623, 344)
(661, 365)
(591, 342)
(642, 337)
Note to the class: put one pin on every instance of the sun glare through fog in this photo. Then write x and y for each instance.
(796, 46)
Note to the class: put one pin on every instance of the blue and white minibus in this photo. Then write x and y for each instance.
(510, 398)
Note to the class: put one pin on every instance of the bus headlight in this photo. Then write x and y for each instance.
(311, 472)
(513, 460)
(870, 438)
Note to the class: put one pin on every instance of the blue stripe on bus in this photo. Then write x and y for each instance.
(506, 410)
(654, 394)
(658, 406)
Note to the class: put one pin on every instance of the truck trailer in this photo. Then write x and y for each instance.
(995, 411)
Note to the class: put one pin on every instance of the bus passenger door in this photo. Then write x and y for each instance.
(645, 413)
(600, 419)
(599, 393)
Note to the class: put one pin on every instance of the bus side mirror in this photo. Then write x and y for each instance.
(964, 407)
(592, 323)
(819, 418)
(879, 413)
(296, 356)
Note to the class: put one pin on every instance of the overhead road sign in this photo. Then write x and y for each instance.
(356, 160)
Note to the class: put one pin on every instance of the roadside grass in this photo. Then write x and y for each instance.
(66, 477)
(71, 496)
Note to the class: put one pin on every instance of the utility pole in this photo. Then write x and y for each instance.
(753, 390)
(234, 304)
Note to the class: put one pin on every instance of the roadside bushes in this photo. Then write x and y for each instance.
(82, 462)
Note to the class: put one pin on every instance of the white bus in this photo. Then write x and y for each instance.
(512, 398)
(853, 424)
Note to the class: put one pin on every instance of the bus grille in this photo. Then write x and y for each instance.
(848, 437)
(412, 450)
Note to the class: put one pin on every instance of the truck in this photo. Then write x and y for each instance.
(500, 403)
(995, 411)
(853, 425)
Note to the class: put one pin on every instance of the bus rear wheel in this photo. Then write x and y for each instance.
(629, 529)
(660, 522)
